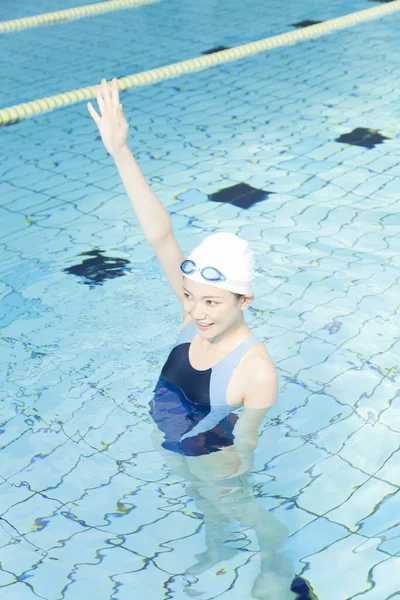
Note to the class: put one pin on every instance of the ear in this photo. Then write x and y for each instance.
(246, 301)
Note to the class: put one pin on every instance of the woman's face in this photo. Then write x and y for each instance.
(214, 310)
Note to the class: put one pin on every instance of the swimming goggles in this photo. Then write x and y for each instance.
(208, 273)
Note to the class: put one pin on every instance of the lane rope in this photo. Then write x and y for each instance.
(19, 112)
(69, 13)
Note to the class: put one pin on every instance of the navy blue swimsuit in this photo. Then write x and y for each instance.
(189, 406)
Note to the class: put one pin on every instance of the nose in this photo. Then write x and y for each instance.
(198, 313)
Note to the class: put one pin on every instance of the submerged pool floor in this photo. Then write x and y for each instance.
(298, 151)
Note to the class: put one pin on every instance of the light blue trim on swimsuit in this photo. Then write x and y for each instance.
(187, 334)
(221, 374)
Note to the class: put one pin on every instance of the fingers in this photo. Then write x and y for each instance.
(96, 117)
(107, 99)
(114, 93)
(100, 101)
(120, 116)
(105, 92)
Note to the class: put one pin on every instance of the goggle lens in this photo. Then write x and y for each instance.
(188, 267)
(212, 274)
(208, 273)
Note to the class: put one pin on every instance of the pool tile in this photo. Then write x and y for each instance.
(47, 470)
(338, 583)
(29, 515)
(317, 352)
(332, 483)
(274, 442)
(391, 469)
(76, 481)
(292, 516)
(385, 578)
(123, 517)
(369, 446)
(313, 538)
(384, 516)
(362, 502)
(149, 578)
(378, 403)
(291, 470)
(85, 579)
(391, 543)
(160, 536)
(325, 410)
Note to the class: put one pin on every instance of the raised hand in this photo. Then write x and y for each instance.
(113, 126)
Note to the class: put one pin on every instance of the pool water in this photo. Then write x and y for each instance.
(298, 151)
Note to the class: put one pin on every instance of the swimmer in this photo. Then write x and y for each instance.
(218, 382)
(217, 365)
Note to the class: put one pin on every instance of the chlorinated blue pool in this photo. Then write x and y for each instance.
(297, 150)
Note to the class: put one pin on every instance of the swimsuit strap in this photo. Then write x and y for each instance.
(187, 334)
(237, 354)
(222, 372)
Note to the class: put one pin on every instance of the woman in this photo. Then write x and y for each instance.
(215, 368)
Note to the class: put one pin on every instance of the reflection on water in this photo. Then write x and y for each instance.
(223, 499)
(97, 268)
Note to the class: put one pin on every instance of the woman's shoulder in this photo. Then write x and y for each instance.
(259, 376)
(258, 358)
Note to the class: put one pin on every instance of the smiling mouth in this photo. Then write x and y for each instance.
(204, 325)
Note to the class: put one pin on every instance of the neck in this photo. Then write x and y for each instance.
(236, 330)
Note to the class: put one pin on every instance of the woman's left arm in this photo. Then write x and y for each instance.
(261, 391)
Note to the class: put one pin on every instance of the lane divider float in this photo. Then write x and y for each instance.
(19, 112)
(68, 14)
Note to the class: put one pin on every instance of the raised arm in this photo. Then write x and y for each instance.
(151, 213)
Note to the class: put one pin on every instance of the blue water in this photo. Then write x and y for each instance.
(89, 507)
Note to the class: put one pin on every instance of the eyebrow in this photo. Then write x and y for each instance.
(203, 297)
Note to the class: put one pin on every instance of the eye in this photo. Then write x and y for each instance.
(210, 302)
(186, 295)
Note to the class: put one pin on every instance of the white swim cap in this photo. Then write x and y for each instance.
(231, 256)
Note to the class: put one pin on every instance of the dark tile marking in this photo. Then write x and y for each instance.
(306, 23)
(241, 195)
(97, 268)
(302, 588)
(367, 138)
(382, 1)
(216, 49)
